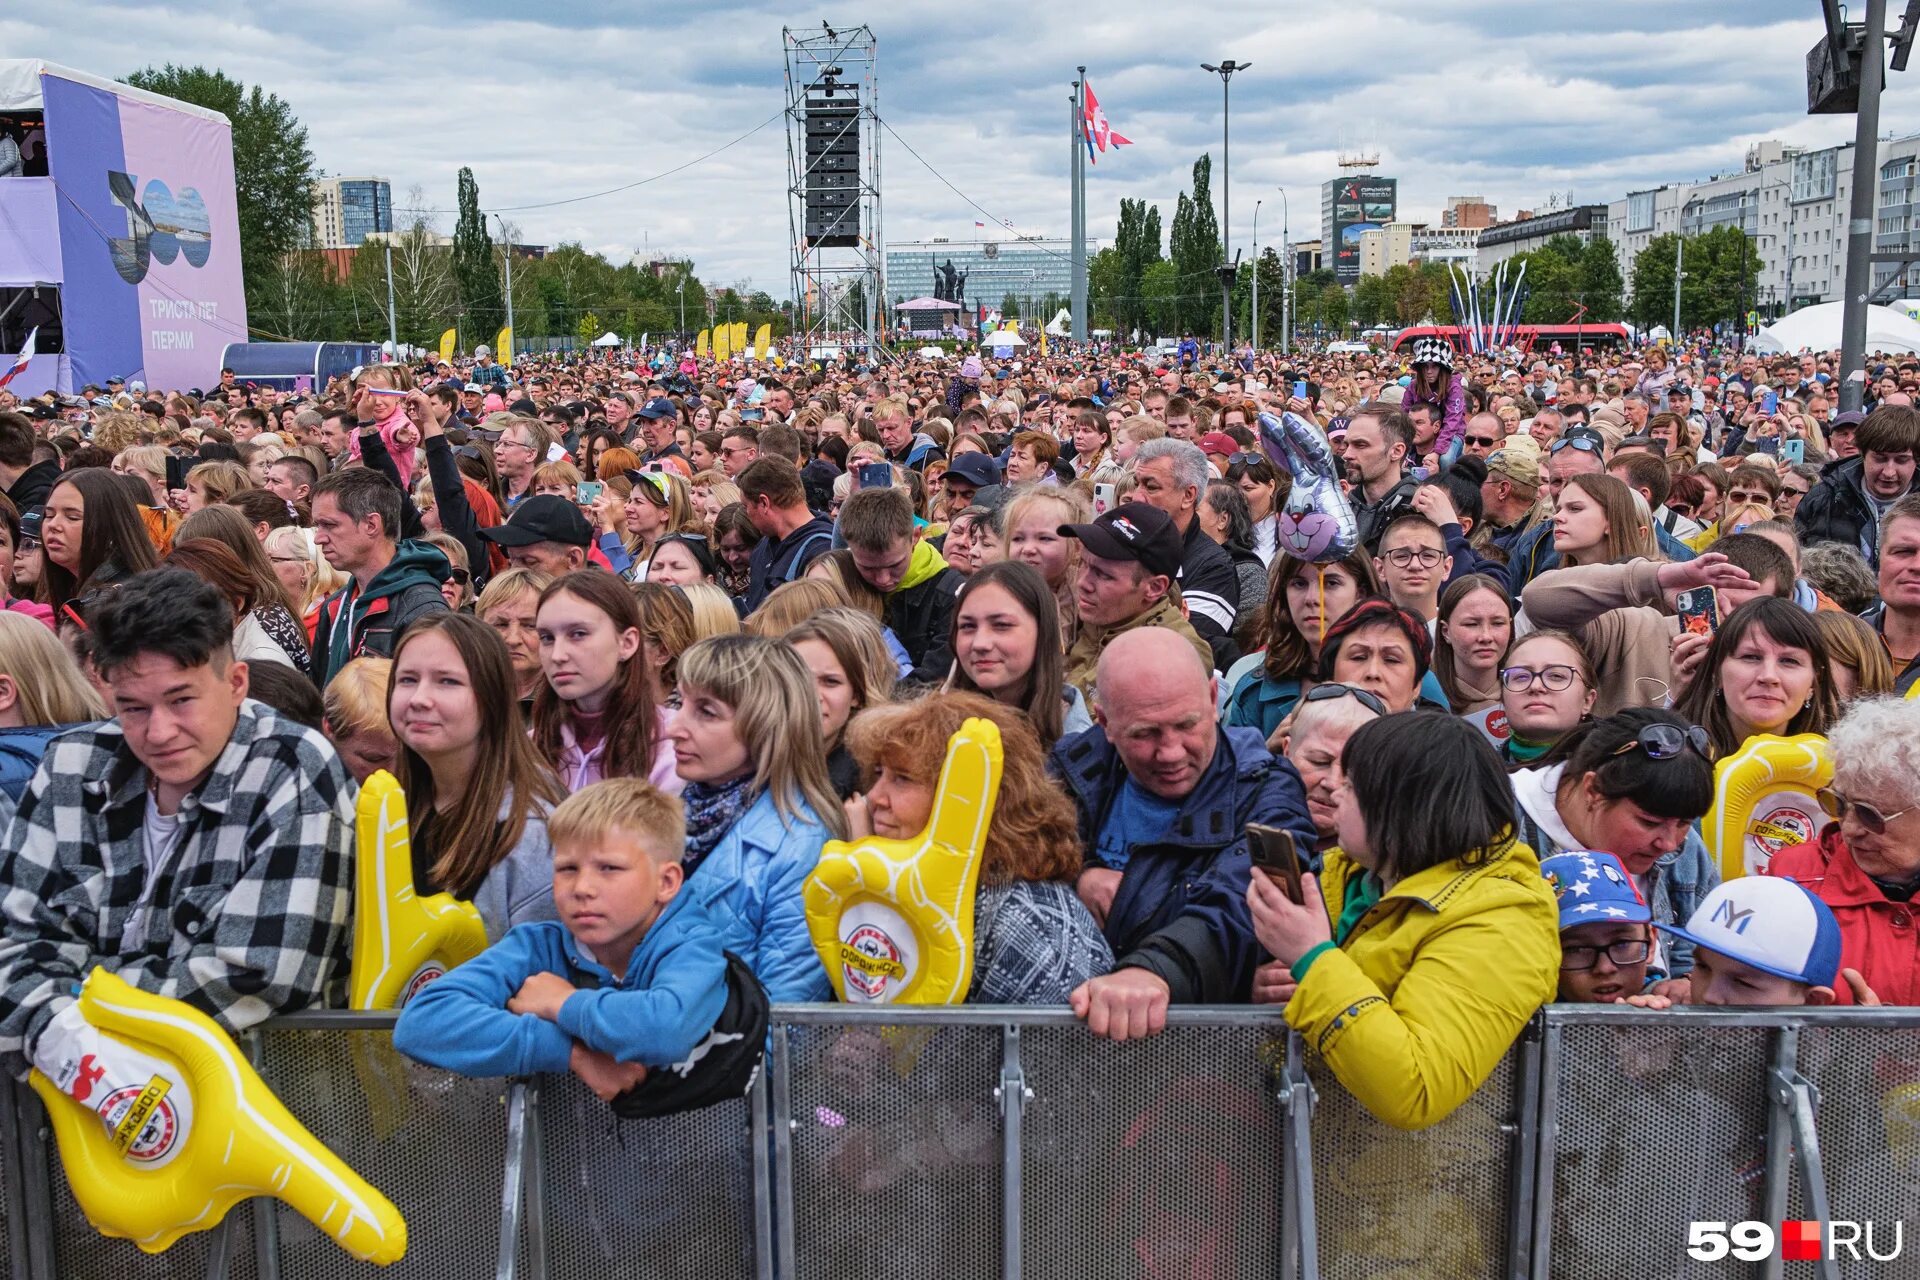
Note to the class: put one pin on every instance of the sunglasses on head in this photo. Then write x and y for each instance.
(1667, 741)
(1586, 444)
(1334, 689)
(1245, 459)
(1872, 819)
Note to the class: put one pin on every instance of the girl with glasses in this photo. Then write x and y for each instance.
(1632, 785)
(1866, 866)
(1546, 688)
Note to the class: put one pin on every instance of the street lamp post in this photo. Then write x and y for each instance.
(681, 289)
(1256, 275)
(1225, 71)
(1286, 275)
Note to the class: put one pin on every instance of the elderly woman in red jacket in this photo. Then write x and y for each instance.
(1867, 865)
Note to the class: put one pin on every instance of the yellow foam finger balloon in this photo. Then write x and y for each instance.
(893, 919)
(163, 1127)
(1765, 799)
(402, 939)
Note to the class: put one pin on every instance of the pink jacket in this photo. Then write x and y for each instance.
(389, 425)
(578, 768)
(32, 608)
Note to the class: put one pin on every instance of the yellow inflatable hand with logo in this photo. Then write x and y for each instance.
(401, 939)
(1765, 799)
(164, 1127)
(893, 919)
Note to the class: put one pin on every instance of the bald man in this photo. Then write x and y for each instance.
(1163, 796)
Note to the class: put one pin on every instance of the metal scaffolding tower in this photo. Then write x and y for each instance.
(833, 187)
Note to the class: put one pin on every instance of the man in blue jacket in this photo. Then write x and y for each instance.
(1163, 796)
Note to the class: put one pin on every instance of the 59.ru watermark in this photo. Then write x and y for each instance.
(1803, 1240)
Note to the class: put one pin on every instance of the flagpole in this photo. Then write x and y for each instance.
(1079, 209)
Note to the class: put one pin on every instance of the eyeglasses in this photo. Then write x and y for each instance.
(1750, 497)
(1245, 459)
(1667, 741)
(1586, 444)
(1788, 491)
(1483, 442)
(1402, 557)
(1334, 689)
(1554, 677)
(1870, 818)
(1622, 952)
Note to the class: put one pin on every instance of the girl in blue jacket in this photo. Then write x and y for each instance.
(747, 743)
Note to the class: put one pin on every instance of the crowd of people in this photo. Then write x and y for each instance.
(637, 637)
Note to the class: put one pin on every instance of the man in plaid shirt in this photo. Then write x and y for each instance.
(198, 844)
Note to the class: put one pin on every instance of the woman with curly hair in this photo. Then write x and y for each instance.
(1034, 941)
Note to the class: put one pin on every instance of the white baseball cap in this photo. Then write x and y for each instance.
(1772, 923)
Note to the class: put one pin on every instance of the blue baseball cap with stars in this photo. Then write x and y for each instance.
(1593, 888)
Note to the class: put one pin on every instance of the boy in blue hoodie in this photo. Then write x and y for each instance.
(631, 979)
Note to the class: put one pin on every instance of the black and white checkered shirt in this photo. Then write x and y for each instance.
(250, 916)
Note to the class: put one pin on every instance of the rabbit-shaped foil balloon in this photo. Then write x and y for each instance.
(1316, 524)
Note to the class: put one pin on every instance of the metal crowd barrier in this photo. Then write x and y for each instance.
(991, 1142)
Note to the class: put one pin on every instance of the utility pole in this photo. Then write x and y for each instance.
(1286, 274)
(506, 242)
(1225, 71)
(1256, 275)
(1866, 175)
(681, 290)
(1679, 259)
(1078, 282)
(393, 317)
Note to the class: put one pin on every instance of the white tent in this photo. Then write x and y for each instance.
(607, 340)
(1817, 328)
(1003, 340)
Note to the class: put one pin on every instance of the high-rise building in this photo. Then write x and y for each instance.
(346, 210)
(1468, 211)
(1027, 267)
(1349, 207)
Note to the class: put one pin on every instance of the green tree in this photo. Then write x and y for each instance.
(1194, 247)
(1160, 292)
(273, 168)
(1553, 281)
(1136, 246)
(1104, 289)
(588, 329)
(1372, 301)
(1009, 306)
(474, 269)
(1332, 308)
(1601, 285)
(296, 298)
(1722, 277)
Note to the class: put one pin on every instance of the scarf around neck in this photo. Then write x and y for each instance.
(711, 810)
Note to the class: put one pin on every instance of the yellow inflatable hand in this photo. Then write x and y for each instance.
(893, 919)
(401, 940)
(1765, 800)
(165, 1127)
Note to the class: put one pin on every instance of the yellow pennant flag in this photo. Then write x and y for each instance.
(700, 345)
(722, 342)
(447, 345)
(1043, 341)
(740, 337)
(762, 342)
(503, 346)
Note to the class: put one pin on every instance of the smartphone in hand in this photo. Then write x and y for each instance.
(1103, 495)
(1793, 451)
(1272, 850)
(1698, 610)
(876, 475)
(588, 492)
(176, 472)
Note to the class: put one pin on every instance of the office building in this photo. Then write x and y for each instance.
(1528, 231)
(1349, 207)
(347, 210)
(1469, 211)
(1028, 267)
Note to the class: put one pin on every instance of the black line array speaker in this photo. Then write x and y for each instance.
(832, 198)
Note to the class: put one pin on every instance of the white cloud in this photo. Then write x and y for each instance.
(1509, 100)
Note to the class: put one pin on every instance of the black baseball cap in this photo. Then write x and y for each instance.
(545, 517)
(658, 407)
(977, 469)
(1132, 531)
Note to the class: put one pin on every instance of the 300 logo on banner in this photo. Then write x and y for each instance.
(159, 225)
(1803, 1240)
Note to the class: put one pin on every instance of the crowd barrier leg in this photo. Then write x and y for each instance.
(1539, 1232)
(36, 1181)
(13, 1207)
(1299, 1229)
(1793, 1145)
(1013, 1096)
(760, 1125)
(780, 1063)
(536, 1219)
(266, 1217)
(1526, 1135)
(513, 1198)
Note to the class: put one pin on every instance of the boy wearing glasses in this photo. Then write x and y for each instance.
(1414, 564)
(1606, 930)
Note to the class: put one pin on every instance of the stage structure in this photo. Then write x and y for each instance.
(833, 187)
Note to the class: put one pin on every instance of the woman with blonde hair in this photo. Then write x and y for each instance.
(759, 804)
(557, 479)
(1034, 940)
(303, 572)
(711, 492)
(42, 695)
(511, 606)
(1861, 667)
(852, 671)
(791, 603)
(356, 723)
(656, 505)
(1030, 527)
(212, 482)
(117, 431)
(714, 613)
(149, 462)
(666, 632)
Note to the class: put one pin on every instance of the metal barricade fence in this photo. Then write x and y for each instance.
(1008, 1142)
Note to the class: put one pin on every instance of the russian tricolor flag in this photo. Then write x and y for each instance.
(21, 361)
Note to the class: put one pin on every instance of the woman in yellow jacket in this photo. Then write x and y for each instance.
(1437, 937)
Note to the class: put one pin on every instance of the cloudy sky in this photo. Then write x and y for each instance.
(1514, 101)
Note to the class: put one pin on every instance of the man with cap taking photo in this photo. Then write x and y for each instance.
(545, 533)
(1129, 559)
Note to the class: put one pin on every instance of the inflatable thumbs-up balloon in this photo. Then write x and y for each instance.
(1765, 799)
(402, 939)
(164, 1127)
(893, 919)
(1316, 523)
